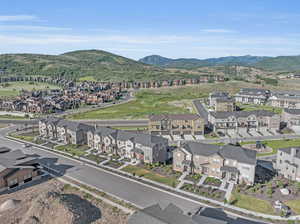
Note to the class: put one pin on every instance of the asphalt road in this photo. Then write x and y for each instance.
(201, 110)
(136, 193)
(135, 123)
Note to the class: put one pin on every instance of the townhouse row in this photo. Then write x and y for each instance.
(229, 163)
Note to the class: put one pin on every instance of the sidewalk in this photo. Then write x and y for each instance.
(168, 189)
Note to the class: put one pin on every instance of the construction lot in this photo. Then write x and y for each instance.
(52, 202)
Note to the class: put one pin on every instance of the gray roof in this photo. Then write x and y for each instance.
(15, 159)
(288, 151)
(292, 111)
(51, 120)
(74, 126)
(174, 117)
(219, 94)
(225, 99)
(253, 91)
(237, 153)
(143, 139)
(237, 114)
(169, 215)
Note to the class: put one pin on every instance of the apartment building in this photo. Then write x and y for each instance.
(136, 146)
(221, 101)
(285, 99)
(16, 168)
(288, 163)
(231, 163)
(248, 120)
(176, 124)
(252, 96)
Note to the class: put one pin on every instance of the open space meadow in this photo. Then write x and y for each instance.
(159, 101)
(11, 89)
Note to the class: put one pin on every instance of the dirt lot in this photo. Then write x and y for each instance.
(55, 203)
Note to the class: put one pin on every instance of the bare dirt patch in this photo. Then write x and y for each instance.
(53, 202)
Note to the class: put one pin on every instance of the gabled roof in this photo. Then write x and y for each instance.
(237, 153)
(169, 215)
(74, 126)
(15, 159)
(237, 114)
(253, 91)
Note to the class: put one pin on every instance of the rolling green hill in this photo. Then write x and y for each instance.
(281, 63)
(190, 63)
(79, 64)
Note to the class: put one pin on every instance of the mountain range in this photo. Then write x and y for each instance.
(102, 65)
(281, 63)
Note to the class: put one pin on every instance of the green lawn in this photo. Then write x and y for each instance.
(151, 175)
(277, 144)
(87, 78)
(8, 117)
(158, 101)
(251, 203)
(294, 205)
(11, 89)
(247, 107)
(23, 137)
(77, 150)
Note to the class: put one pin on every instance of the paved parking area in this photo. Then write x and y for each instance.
(296, 129)
(168, 137)
(255, 133)
(244, 133)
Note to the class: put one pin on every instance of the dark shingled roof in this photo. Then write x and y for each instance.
(227, 151)
(170, 215)
(74, 126)
(258, 113)
(253, 91)
(292, 111)
(174, 117)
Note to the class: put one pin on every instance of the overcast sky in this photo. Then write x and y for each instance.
(190, 28)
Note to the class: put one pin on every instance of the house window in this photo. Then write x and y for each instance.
(13, 182)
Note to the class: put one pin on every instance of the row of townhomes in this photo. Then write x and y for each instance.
(258, 120)
(282, 99)
(231, 163)
(136, 146)
(16, 168)
(176, 124)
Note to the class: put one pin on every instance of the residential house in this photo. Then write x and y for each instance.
(216, 95)
(247, 120)
(285, 99)
(252, 96)
(176, 124)
(232, 163)
(288, 163)
(71, 132)
(291, 117)
(48, 127)
(16, 168)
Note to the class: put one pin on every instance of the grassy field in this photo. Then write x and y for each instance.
(11, 89)
(78, 150)
(150, 175)
(246, 107)
(294, 205)
(277, 144)
(252, 203)
(87, 78)
(159, 101)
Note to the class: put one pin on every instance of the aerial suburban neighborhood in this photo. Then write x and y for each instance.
(160, 112)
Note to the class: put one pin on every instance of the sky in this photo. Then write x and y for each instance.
(134, 29)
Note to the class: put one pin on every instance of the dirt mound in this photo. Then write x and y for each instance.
(52, 202)
(9, 204)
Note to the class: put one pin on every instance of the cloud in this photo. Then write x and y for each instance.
(218, 31)
(32, 28)
(10, 18)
